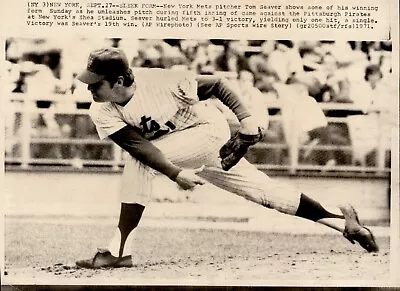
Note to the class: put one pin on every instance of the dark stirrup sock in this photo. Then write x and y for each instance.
(129, 218)
(313, 210)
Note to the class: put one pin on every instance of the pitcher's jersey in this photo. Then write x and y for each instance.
(162, 103)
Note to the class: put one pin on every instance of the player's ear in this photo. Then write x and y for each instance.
(120, 81)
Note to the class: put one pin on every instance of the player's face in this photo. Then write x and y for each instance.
(102, 91)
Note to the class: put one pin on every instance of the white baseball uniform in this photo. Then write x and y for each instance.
(166, 108)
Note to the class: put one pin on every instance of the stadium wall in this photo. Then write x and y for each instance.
(96, 194)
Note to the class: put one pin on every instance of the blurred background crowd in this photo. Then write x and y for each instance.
(267, 73)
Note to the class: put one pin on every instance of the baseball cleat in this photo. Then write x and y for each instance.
(104, 259)
(354, 231)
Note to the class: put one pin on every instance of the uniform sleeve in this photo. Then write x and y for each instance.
(208, 87)
(184, 87)
(106, 119)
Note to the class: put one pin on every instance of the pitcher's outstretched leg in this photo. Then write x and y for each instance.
(247, 181)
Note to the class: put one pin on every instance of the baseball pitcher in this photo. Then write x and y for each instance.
(159, 118)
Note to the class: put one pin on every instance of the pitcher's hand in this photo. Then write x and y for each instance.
(187, 178)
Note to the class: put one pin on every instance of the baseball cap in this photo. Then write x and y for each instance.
(104, 62)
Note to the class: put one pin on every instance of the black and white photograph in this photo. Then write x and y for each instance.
(198, 161)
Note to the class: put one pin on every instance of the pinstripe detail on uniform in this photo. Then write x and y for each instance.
(246, 181)
(136, 186)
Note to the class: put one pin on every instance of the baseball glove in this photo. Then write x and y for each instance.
(236, 147)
